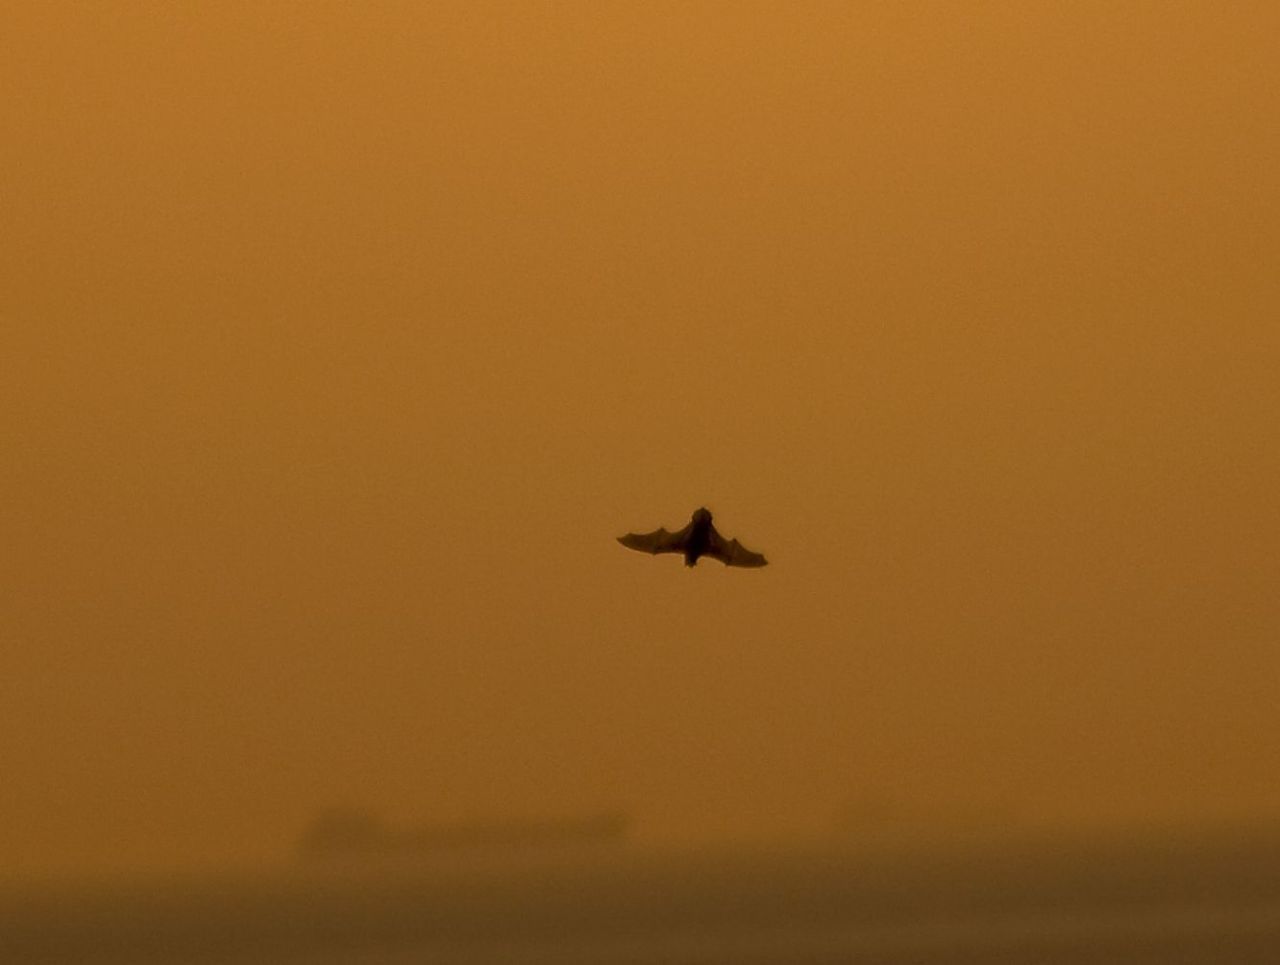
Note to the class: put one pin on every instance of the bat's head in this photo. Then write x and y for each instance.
(702, 515)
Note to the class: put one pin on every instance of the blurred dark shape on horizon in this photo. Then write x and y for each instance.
(357, 834)
(1195, 896)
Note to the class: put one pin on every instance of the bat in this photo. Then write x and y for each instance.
(697, 539)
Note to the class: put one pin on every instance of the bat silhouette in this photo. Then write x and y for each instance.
(697, 539)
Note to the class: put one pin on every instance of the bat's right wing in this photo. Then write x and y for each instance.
(659, 541)
(732, 553)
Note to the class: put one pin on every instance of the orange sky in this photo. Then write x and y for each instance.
(340, 341)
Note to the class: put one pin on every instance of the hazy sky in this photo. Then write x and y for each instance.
(341, 340)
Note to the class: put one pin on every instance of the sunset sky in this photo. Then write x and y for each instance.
(339, 342)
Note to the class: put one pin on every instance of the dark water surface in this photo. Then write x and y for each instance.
(1173, 901)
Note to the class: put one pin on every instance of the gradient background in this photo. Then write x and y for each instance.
(340, 341)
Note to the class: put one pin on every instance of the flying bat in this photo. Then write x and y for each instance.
(697, 539)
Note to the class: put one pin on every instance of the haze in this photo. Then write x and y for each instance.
(341, 341)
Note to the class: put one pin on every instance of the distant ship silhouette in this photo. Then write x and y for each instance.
(697, 539)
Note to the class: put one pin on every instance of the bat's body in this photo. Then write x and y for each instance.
(697, 539)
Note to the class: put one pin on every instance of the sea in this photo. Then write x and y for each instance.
(1158, 900)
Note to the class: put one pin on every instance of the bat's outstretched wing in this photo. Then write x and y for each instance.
(732, 553)
(659, 541)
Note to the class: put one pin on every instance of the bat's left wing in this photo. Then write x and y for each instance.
(659, 541)
(732, 553)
